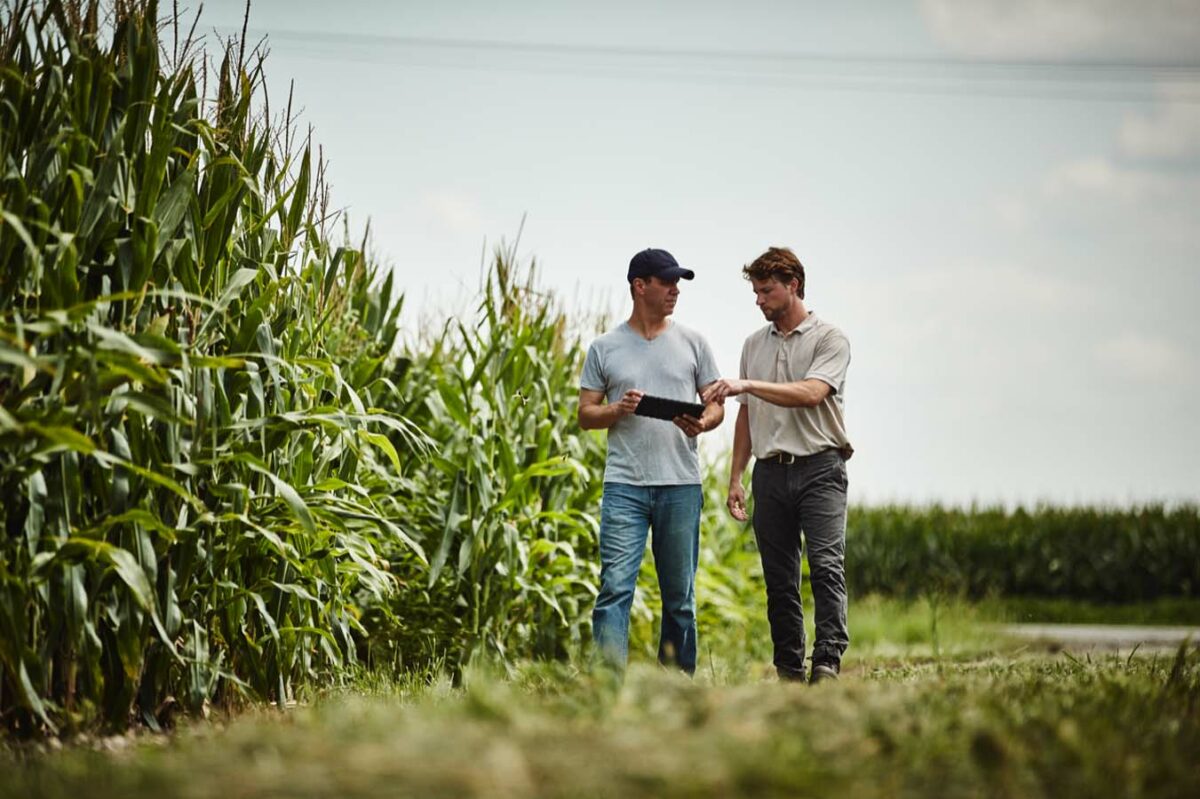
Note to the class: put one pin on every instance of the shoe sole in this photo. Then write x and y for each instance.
(823, 674)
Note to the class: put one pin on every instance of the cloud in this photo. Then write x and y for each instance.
(1148, 180)
(966, 309)
(1146, 357)
(1110, 197)
(1152, 30)
(1170, 133)
(1014, 213)
(1099, 185)
(453, 210)
(986, 289)
(1100, 178)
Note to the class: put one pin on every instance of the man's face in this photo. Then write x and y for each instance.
(772, 297)
(661, 294)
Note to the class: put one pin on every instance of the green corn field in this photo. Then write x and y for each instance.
(507, 505)
(199, 477)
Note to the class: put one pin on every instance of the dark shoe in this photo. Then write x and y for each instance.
(823, 672)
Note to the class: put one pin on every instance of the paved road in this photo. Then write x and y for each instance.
(1106, 637)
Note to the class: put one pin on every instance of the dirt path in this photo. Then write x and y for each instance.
(1105, 637)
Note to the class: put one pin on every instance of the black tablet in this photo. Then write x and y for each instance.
(663, 408)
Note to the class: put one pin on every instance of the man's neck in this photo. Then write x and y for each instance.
(649, 325)
(792, 318)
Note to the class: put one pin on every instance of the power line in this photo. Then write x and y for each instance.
(1121, 80)
(490, 45)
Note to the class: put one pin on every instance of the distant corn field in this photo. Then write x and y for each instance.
(1102, 555)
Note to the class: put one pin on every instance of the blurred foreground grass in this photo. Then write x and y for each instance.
(1031, 726)
(964, 713)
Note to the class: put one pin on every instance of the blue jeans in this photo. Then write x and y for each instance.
(673, 513)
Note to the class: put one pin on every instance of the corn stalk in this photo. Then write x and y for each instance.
(508, 510)
(196, 470)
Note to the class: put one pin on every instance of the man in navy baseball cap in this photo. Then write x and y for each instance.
(652, 481)
(657, 263)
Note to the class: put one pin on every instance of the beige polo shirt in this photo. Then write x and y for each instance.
(815, 349)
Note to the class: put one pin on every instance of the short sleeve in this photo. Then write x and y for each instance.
(593, 371)
(831, 360)
(744, 397)
(706, 366)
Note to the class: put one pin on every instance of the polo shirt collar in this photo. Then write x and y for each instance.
(809, 322)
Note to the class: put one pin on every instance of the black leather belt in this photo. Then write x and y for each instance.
(788, 458)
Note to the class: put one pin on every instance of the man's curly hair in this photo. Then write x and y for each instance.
(779, 263)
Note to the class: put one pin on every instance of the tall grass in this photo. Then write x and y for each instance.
(196, 475)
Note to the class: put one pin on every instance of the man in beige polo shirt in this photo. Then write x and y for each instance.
(791, 387)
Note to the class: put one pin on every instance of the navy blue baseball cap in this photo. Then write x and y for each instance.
(657, 263)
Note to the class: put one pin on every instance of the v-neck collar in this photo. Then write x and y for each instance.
(636, 333)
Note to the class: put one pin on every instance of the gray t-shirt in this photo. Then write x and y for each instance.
(676, 364)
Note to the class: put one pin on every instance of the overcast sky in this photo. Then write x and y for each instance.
(997, 200)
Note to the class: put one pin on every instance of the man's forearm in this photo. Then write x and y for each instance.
(714, 414)
(599, 417)
(741, 447)
(801, 394)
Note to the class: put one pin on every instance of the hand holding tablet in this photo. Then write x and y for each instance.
(667, 409)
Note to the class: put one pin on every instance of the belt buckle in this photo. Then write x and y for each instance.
(786, 458)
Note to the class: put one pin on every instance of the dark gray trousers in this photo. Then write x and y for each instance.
(809, 496)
